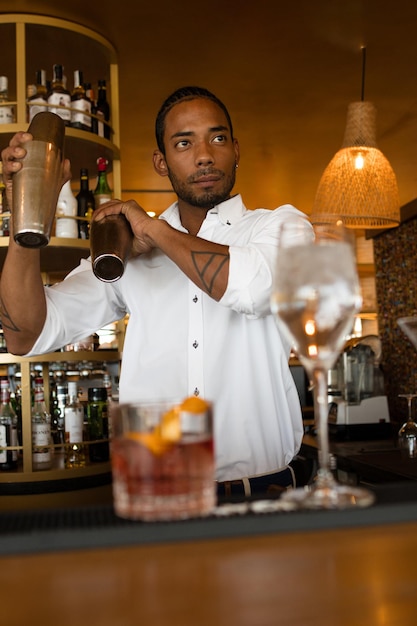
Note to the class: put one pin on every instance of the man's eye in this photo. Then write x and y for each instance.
(182, 144)
(219, 138)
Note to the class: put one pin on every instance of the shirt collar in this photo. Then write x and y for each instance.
(227, 212)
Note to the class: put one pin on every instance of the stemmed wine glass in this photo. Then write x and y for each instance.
(407, 435)
(315, 297)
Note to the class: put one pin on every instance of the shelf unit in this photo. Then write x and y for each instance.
(33, 42)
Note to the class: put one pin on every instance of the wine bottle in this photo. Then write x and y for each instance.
(103, 111)
(41, 430)
(38, 101)
(66, 211)
(98, 424)
(59, 98)
(6, 109)
(57, 432)
(89, 92)
(62, 398)
(80, 104)
(4, 209)
(85, 205)
(102, 192)
(74, 425)
(8, 428)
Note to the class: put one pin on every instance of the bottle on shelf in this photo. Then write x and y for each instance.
(103, 111)
(107, 383)
(16, 402)
(80, 104)
(38, 100)
(41, 430)
(7, 114)
(89, 92)
(102, 192)
(8, 428)
(85, 205)
(57, 418)
(66, 212)
(59, 98)
(98, 424)
(74, 426)
(4, 208)
(62, 398)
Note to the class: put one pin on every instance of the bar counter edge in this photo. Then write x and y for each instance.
(35, 531)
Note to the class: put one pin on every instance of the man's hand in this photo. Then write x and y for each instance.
(140, 222)
(12, 157)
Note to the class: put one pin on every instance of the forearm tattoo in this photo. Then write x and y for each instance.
(6, 320)
(208, 266)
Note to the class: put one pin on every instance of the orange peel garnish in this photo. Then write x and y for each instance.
(153, 441)
(193, 404)
(168, 432)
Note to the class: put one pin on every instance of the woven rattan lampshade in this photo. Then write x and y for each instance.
(359, 185)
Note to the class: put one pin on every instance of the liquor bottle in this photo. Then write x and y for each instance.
(8, 428)
(62, 398)
(89, 92)
(103, 111)
(6, 109)
(66, 211)
(80, 104)
(41, 430)
(74, 425)
(102, 192)
(3, 346)
(16, 402)
(57, 418)
(108, 386)
(4, 208)
(59, 98)
(98, 424)
(85, 205)
(37, 102)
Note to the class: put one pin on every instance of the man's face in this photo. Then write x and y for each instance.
(200, 154)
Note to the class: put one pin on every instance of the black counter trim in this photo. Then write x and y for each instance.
(97, 527)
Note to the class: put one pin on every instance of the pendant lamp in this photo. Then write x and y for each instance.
(358, 186)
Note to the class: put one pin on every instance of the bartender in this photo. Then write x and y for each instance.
(196, 289)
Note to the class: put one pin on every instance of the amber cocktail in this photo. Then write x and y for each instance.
(163, 460)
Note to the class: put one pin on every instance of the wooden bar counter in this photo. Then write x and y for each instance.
(317, 568)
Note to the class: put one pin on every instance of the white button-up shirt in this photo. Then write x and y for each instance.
(181, 342)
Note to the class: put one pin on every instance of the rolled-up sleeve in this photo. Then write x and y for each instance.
(252, 262)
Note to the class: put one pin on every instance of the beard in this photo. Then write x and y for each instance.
(204, 198)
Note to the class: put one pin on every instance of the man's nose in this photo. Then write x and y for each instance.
(204, 155)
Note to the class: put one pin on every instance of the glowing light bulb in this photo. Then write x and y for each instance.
(310, 327)
(359, 161)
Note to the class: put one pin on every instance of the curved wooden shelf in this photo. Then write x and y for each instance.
(62, 357)
(33, 42)
(56, 474)
(61, 254)
(82, 148)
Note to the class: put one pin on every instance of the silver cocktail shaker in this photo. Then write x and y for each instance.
(111, 241)
(37, 185)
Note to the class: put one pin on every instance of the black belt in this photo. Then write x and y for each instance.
(268, 484)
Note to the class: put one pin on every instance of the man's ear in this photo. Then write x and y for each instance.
(159, 163)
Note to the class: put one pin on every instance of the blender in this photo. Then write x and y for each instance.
(358, 406)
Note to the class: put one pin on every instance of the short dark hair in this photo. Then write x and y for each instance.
(181, 95)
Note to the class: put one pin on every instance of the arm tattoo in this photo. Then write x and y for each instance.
(208, 265)
(6, 320)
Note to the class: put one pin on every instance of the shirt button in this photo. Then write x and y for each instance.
(195, 344)
(196, 391)
(195, 299)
